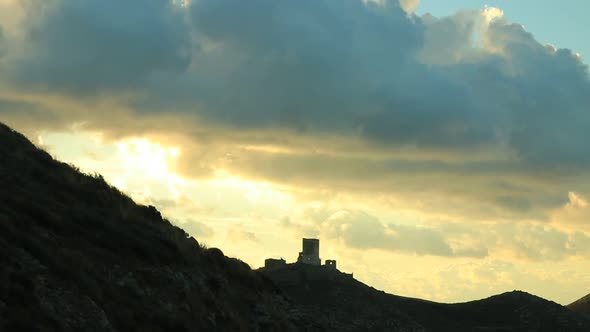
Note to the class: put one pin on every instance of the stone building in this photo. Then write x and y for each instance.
(272, 263)
(311, 252)
(330, 263)
(310, 255)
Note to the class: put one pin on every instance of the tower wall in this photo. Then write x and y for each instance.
(310, 253)
(330, 263)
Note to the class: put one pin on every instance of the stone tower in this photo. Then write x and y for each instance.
(311, 252)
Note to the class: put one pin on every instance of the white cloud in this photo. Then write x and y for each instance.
(490, 13)
(574, 214)
(409, 5)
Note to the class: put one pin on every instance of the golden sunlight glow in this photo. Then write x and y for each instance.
(142, 158)
(120, 183)
(152, 159)
(254, 191)
(11, 15)
(268, 149)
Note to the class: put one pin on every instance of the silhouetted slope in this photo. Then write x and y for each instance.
(350, 305)
(78, 255)
(581, 305)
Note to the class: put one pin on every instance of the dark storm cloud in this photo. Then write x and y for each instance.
(91, 46)
(2, 42)
(340, 66)
(18, 112)
(306, 65)
(550, 120)
(351, 68)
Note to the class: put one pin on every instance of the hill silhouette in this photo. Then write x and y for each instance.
(349, 305)
(79, 255)
(581, 305)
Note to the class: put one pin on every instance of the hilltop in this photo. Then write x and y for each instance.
(346, 304)
(79, 255)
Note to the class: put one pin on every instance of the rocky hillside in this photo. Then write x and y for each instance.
(345, 304)
(78, 255)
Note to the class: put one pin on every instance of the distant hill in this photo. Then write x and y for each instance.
(581, 305)
(79, 255)
(346, 304)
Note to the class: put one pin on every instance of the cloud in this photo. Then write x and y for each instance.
(551, 86)
(574, 214)
(197, 229)
(347, 68)
(284, 64)
(90, 46)
(525, 241)
(240, 235)
(449, 40)
(540, 242)
(465, 190)
(2, 42)
(340, 95)
(359, 230)
(409, 5)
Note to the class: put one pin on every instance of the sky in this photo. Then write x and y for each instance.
(438, 149)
